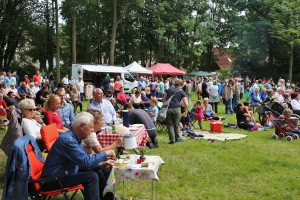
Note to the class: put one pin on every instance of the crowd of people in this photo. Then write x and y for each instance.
(55, 102)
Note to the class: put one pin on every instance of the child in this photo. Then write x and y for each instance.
(199, 113)
(248, 94)
(153, 110)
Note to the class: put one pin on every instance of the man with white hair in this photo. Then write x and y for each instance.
(142, 83)
(103, 105)
(68, 155)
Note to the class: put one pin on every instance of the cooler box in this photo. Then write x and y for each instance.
(216, 126)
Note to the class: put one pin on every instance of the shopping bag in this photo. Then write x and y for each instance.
(162, 114)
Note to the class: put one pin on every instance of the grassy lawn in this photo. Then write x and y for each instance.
(256, 167)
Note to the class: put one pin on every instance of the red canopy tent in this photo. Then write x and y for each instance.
(165, 68)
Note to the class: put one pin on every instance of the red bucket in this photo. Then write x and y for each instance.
(216, 126)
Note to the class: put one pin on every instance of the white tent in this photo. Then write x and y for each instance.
(137, 69)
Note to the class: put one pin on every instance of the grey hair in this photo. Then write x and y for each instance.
(287, 111)
(83, 118)
(25, 103)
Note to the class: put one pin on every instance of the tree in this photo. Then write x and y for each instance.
(115, 23)
(286, 27)
(15, 16)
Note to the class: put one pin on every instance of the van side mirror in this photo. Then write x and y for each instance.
(79, 71)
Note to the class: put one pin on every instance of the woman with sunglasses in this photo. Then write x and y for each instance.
(31, 123)
(51, 115)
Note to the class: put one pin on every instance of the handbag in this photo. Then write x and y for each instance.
(162, 114)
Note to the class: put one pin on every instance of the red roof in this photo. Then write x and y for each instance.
(165, 68)
(223, 60)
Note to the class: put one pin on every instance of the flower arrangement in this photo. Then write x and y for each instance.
(142, 150)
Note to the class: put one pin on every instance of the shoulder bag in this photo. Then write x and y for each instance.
(162, 114)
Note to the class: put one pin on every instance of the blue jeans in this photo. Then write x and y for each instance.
(235, 101)
(228, 106)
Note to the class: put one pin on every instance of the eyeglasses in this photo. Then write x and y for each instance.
(31, 109)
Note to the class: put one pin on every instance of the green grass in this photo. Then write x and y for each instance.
(256, 167)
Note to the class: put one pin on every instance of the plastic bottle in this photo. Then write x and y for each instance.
(113, 127)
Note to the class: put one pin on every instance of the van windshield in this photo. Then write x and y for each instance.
(128, 77)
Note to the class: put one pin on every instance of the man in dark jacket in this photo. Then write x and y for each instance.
(140, 116)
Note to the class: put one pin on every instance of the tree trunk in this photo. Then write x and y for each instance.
(57, 43)
(291, 62)
(113, 34)
(49, 40)
(73, 13)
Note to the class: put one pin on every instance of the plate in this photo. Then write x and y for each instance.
(124, 156)
(137, 125)
(133, 128)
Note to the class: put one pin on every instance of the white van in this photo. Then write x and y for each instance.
(88, 72)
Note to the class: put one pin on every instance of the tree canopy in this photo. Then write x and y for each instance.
(258, 34)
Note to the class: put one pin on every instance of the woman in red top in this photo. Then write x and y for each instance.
(121, 96)
(51, 115)
(3, 106)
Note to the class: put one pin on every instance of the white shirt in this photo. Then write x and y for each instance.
(279, 97)
(295, 104)
(135, 99)
(31, 127)
(106, 108)
(80, 86)
(65, 81)
(35, 89)
(90, 142)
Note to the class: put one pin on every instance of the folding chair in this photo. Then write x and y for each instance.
(161, 126)
(36, 167)
(49, 134)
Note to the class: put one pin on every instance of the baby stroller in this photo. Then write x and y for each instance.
(286, 128)
(269, 109)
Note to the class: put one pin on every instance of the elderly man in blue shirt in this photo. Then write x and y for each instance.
(65, 110)
(67, 154)
(103, 105)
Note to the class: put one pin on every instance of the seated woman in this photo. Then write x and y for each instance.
(3, 108)
(145, 99)
(148, 92)
(51, 115)
(158, 94)
(256, 98)
(241, 118)
(91, 144)
(121, 96)
(207, 110)
(5, 89)
(251, 119)
(136, 100)
(264, 94)
(31, 123)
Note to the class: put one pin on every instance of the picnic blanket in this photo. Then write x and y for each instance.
(221, 136)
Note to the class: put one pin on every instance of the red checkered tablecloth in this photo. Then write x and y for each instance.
(141, 135)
